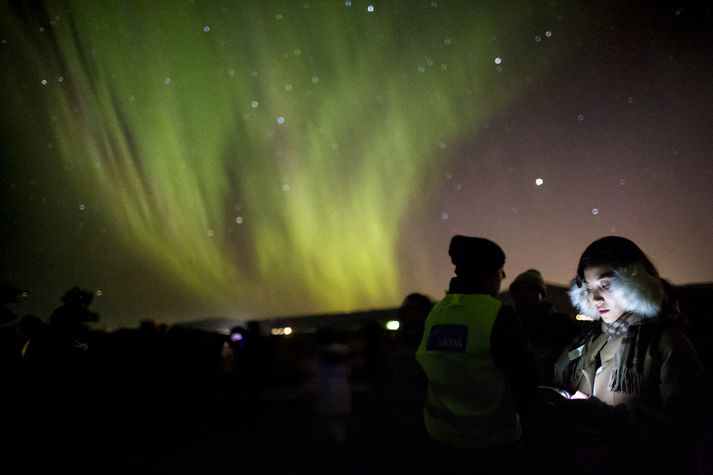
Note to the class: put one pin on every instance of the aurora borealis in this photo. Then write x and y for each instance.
(253, 159)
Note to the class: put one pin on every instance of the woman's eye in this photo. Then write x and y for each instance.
(588, 290)
(606, 285)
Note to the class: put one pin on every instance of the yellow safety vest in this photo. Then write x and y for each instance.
(469, 402)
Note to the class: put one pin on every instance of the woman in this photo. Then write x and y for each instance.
(639, 391)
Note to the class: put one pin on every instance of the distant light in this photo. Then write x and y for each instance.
(370, 8)
(539, 182)
(236, 337)
(595, 210)
(99, 293)
(239, 220)
(548, 34)
(498, 60)
(347, 3)
(584, 318)
(393, 325)
(281, 331)
(288, 331)
(44, 82)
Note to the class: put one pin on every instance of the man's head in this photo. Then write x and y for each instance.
(528, 290)
(11, 294)
(478, 260)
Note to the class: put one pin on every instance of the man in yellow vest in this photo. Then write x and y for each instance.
(474, 353)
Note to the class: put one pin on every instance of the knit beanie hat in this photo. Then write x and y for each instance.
(531, 278)
(475, 257)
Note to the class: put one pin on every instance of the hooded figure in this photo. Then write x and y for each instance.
(634, 377)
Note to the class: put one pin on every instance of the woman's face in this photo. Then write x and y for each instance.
(597, 282)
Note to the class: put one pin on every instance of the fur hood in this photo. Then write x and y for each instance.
(634, 289)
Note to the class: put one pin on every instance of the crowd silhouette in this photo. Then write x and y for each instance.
(170, 399)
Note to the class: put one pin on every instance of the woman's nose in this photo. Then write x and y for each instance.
(596, 296)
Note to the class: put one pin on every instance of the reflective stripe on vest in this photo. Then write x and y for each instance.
(469, 402)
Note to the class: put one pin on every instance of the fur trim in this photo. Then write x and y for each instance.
(578, 297)
(634, 289)
(637, 291)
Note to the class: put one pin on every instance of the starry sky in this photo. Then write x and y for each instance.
(255, 159)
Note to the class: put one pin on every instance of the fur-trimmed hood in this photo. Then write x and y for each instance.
(634, 289)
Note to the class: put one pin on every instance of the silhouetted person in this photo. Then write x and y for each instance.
(257, 357)
(547, 330)
(481, 378)
(13, 338)
(69, 321)
(63, 363)
(246, 368)
(409, 381)
(330, 389)
(375, 357)
(12, 333)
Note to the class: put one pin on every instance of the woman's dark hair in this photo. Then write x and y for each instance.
(614, 251)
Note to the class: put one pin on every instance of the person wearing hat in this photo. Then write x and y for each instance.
(639, 394)
(547, 330)
(480, 375)
(12, 338)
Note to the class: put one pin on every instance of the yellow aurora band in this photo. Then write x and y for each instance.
(266, 154)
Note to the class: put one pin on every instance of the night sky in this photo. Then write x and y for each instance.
(255, 159)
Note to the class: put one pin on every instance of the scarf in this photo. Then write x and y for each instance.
(637, 334)
(619, 327)
(629, 360)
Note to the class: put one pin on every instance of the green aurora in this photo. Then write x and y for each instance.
(264, 156)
